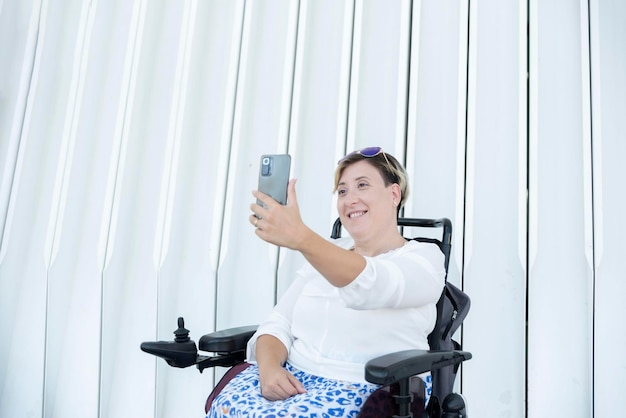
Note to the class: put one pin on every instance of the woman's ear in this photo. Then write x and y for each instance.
(396, 194)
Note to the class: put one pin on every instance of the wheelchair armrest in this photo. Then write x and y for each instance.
(390, 368)
(229, 344)
(227, 340)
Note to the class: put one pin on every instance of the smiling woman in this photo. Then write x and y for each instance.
(356, 298)
(371, 188)
(390, 169)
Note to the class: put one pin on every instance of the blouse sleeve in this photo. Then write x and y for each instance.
(278, 324)
(413, 276)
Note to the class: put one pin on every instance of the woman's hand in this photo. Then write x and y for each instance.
(278, 384)
(283, 226)
(278, 224)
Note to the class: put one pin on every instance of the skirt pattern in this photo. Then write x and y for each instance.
(324, 398)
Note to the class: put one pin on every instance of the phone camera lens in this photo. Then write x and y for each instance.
(266, 166)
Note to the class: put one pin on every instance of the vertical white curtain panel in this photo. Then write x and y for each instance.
(130, 138)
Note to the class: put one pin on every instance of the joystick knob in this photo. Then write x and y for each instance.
(181, 334)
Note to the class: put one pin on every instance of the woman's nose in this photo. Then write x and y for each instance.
(351, 198)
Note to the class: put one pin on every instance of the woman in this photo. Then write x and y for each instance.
(356, 298)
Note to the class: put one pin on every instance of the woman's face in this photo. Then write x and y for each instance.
(365, 206)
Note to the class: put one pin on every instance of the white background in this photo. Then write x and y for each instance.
(130, 134)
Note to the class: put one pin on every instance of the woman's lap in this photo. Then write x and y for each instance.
(324, 398)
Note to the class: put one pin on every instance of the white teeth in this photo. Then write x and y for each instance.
(356, 214)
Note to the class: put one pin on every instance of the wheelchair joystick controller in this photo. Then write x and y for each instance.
(181, 335)
(181, 352)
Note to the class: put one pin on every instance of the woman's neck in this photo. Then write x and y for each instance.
(379, 245)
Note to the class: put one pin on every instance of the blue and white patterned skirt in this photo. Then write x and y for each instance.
(241, 397)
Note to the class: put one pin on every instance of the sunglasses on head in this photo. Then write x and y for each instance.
(368, 152)
(365, 152)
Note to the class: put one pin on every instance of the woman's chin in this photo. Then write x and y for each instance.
(357, 229)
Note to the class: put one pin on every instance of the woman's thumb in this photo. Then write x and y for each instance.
(292, 199)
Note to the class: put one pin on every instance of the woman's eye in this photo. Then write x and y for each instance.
(341, 192)
(361, 185)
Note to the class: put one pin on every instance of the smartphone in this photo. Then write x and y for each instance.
(274, 176)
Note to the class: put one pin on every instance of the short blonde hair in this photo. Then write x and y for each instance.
(387, 165)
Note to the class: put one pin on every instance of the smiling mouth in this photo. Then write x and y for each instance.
(356, 214)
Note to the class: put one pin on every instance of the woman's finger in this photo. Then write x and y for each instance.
(298, 386)
(263, 200)
(292, 199)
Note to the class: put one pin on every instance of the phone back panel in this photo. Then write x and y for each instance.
(274, 176)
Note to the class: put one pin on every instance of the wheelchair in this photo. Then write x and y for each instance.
(401, 393)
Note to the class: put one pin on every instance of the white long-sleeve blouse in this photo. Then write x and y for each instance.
(332, 332)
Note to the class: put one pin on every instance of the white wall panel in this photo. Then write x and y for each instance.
(74, 280)
(18, 34)
(18, 37)
(494, 263)
(129, 297)
(318, 116)
(436, 121)
(379, 77)
(23, 288)
(27, 252)
(608, 36)
(192, 197)
(261, 110)
(560, 273)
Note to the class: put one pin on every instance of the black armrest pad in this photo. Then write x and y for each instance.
(391, 368)
(228, 340)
